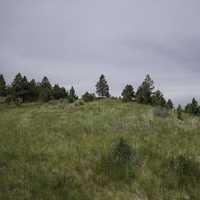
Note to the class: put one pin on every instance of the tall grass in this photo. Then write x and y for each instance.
(57, 151)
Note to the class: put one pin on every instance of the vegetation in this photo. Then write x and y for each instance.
(128, 93)
(102, 88)
(57, 146)
(104, 149)
(87, 97)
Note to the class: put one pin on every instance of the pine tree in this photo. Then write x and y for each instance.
(72, 95)
(45, 90)
(193, 107)
(145, 91)
(45, 83)
(158, 99)
(128, 93)
(2, 86)
(59, 92)
(170, 104)
(33, 90)
(179, 112)
(102, 88)
(17, 86)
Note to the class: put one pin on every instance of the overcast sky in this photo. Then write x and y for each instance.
(74, 41)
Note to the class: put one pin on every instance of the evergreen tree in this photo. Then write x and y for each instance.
(45, 83)
(45, 90)
(59, 92)
(20, 87)
(170, 104)
(102, 88)
(145, 91)
(158, 99)
(2, 86)
(179, 112)
(128, 93)
(25, 92)
(33, 90)
(72, 95)
(87, 97)
(193, 107)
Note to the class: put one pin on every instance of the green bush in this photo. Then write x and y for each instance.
(120, 163)
(87, 97)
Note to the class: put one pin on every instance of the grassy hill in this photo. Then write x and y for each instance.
(65, 151)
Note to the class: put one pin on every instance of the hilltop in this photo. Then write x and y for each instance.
(59, 150)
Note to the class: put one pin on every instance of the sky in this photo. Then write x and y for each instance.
(73, 42)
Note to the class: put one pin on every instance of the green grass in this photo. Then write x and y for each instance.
(59, 151)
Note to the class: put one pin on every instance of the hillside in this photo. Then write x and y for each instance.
(58, 150)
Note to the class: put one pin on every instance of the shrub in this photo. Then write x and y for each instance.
(160, 112)
(87, 97)
(120, 163)
(122, 152)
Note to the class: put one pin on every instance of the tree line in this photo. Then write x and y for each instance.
(21, 89)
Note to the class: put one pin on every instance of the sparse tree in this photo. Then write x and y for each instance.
(128, 93)
(158, 99)
(45, 83)
(20, 87)
(33, 90)
(2, 86)
(72, 95)
(179, 112)
(45, 90)
(170, 104)
(193, 107)
(102, 87)
(145, 91)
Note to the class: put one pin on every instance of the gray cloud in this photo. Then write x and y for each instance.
(74, 41)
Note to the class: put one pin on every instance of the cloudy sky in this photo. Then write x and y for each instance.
(74, 41)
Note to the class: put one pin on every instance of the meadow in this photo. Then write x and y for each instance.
(57, 150)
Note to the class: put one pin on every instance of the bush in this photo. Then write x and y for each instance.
(87, 97)
(122, 152)
(120, 163)
(160, 112)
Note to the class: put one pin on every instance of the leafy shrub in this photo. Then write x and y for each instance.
(122, 152)
(160, 112)
(87, 97)
(120, 163)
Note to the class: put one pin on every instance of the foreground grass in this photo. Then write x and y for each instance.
(58, 151)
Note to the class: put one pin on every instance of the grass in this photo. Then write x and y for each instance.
(59, 151)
